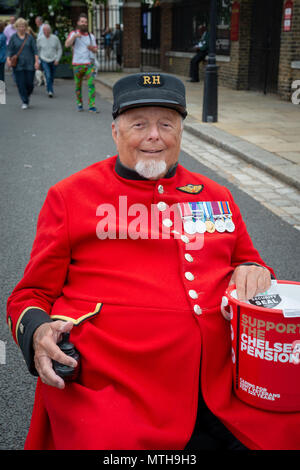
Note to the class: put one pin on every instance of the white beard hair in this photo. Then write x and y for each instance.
(150, 168)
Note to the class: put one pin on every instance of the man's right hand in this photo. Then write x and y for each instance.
(45, 339)
(70, 42)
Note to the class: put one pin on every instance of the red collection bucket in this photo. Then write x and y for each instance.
(265, 338)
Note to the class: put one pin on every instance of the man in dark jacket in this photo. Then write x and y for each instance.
(202, 49)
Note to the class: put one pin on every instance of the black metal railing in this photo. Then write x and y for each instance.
(107, 28)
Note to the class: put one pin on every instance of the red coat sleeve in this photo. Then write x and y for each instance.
(30, 303)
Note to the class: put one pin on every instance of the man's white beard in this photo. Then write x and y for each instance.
(151, 169)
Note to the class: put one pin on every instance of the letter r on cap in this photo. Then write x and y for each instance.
(147, 80)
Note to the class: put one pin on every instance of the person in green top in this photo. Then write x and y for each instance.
(202, 50)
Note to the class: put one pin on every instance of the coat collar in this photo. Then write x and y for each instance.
(130, 174)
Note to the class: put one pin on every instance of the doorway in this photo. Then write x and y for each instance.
(265, 45)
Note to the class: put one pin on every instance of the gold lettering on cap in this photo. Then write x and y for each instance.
(155, 80)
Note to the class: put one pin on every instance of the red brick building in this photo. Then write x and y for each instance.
(258, 41)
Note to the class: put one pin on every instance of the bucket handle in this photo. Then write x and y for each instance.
(224, 303)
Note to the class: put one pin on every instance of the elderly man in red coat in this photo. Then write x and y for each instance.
(131, 257)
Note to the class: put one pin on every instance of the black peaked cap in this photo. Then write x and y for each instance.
(149, 89)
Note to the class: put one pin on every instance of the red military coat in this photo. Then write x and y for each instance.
(146, 316)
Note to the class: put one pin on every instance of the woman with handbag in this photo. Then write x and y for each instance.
(22, 55)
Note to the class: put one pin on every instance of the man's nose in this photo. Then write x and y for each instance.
(154, 132)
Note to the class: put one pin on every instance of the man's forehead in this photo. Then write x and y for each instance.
(147, 112)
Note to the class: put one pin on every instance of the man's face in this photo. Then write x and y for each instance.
(82, 24)
(47, 31)
(148, 138)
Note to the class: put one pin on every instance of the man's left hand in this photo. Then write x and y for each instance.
(250, 281)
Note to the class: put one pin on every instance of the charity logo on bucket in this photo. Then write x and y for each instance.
(266, 348)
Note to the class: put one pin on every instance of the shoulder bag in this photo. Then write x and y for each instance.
(14, 58)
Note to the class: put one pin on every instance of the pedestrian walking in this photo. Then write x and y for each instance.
(84, 47)
(108, 38)
(10, 29)
(50, 52)
(2, 51)
(117, 40)
(24, 47)
(40, 25)
(201, 48)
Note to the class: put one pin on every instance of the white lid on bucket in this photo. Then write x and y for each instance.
(283, 296)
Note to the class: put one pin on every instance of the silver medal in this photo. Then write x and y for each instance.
(200, 226)
(220, 225)
(229, 225)
(189, 227)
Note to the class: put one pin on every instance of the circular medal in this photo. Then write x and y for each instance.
(229, 225)
(189, 227)
(210, 227)
(200, 226)
(220, 225)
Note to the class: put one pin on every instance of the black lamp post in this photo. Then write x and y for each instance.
(210, 98)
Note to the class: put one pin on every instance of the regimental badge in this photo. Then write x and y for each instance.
(191, 188)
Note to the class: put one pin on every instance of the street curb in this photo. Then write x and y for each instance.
(267, 161)
(275, 165)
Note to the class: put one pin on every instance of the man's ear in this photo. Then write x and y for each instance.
(114, 132)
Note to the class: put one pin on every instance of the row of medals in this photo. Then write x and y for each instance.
(199, 226)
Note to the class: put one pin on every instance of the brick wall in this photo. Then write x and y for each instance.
(165, 33)
(235, 73)
(289, 52)
(131, 36)
(232, 73)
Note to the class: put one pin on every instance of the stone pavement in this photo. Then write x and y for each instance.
(262, 130)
